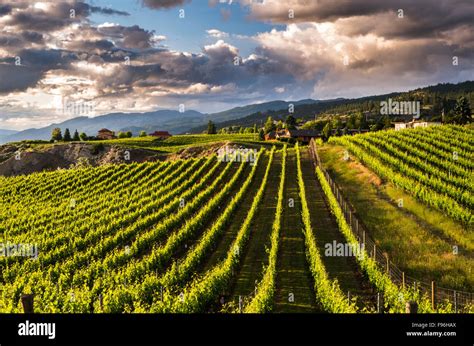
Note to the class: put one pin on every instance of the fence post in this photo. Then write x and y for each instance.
(433, 289)
(379, 303)
(28, 303)
(455, 302)
(388, 264)
(411, 307)
(375, 250)
(403, 280)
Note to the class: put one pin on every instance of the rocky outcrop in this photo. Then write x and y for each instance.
(17, 160)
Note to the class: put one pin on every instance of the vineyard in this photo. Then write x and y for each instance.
(212, 235)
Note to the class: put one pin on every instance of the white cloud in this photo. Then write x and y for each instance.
(217, 33)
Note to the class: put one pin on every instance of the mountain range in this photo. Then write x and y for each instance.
(169, 120)
(195, 122)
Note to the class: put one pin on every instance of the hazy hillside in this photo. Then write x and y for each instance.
(172, 121)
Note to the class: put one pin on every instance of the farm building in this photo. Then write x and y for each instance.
(270, 136)
(161, 134)
(413, 125)
(106, 134)
(300, 135)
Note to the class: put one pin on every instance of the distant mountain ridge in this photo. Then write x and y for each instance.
(173, 121)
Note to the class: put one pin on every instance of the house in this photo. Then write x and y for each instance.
(106, 134)
(414, 124)
(161, 134)
(300, 135)
(270, 136)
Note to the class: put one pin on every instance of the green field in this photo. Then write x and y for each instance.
(202, 235)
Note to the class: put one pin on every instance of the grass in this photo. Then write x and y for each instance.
(293, 275)
(255, 255)
(175, 143)
(343, 268)
(417, 238)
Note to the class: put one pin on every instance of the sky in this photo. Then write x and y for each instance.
(62, 59)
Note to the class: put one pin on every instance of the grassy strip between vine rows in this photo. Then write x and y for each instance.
(263, 301)
(395, 298)
(328, 292)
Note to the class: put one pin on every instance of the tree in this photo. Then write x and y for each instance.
(290, 122)
(211, 128)
(129, 134)
(327, 131)
(269, 125)
(351, 123)
(386, 122)
(462, 111)
(279, 125)
(122, 134)
(261, 135)
(67, 136)
(83, 136)
(255, 130)
(142, 133)
(76, 137)
(56, 134)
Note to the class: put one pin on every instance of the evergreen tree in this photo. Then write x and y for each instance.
(76, 137)
(67, 136)
(211, 128)
(269, 125)
(462, 111)
(261, 135)
(290, 122)
(129, 134)
(255, 128)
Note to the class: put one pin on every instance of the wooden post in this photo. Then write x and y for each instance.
(388, 264)
(101, 303)
(411, 307)
(380, 303)
(357, 225)
(375, 250)
(433, 289)
(28, 303)
(455, 302)
(403, 280)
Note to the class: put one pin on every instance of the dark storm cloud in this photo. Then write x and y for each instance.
(57, 15)
(422, 18)
(5, 9)
(129, 36)
(108, 11)
(19, 77)
(160, 4)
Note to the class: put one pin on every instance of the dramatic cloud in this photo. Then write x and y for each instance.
(52, 50)
(160, 4)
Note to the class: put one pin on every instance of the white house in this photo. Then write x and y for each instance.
(414, 124)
